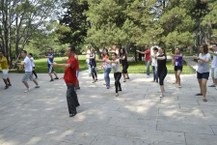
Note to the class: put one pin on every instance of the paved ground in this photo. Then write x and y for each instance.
(136, 117)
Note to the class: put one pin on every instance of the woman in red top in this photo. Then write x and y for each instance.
(71, 81)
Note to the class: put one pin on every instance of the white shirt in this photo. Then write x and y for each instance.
(32, 61)
(154, 60)
(214, 61)
(116, 66)
(27, 64)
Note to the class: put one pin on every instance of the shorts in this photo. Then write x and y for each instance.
(50, 68)
(203, 75)
(27, 75)
(5, 73)
(214, 73)
(176, 68)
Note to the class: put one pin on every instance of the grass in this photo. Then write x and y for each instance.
(139, 67)
(134, 67)
(41, 64)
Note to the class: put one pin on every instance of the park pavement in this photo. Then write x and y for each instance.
(136, 117)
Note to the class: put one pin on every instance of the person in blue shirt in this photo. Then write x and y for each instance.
(50, 61)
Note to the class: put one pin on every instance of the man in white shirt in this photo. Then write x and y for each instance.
(28, 71)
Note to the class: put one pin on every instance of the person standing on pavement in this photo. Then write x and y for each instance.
(115, 63)
(5, 70)
(71, 81)
(214, 67)
(177, 57)
(33, 65)
(28, 71)
(203, 70)
(147, 56)
(161, 69)
(50, 60)
(92, 63)
(107, 67)
(125, 64)
(154, 64)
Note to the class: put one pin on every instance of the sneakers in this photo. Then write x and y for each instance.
(37, 86)
(6, 87)
(26, 91)
(213, 85)
(56, 78)
(51, 80)
(161, 96)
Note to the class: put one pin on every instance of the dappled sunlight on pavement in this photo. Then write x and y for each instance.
(136, 116)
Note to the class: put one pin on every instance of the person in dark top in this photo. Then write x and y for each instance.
(92, 63)
(162, 69)
(177, 58)
(124, 62)
(50, 60)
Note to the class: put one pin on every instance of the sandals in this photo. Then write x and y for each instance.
(198, 94)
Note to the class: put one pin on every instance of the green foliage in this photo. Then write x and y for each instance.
(74, 23)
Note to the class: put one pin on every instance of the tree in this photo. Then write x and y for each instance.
(74, 23)
(19, 20)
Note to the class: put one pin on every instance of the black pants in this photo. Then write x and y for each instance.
(93, 72)
(34, 72)
(161, 75)
(72, 99)
(117, 77)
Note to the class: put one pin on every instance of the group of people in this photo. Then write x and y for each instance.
(119, 57)
(156, 57)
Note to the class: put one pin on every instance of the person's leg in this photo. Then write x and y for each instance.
(215, 77)
(75, 97)
(70, 101)
(24, 80)
(107, 78)
(50, 69)
(116, 83)
(118, 80)
(204, 88)
(179, 78)
(56, 77)
(200, 85)
(9, 81)
(156, 74)
(148, 68)
(34, 72)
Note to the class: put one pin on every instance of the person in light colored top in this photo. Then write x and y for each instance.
(5, 70)
(115, 62)
(214, 66)
(33, 65)
(154, 64)
(88, 52)
(106, 66)
(177, 57)
(28, 71)
(203, 70)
